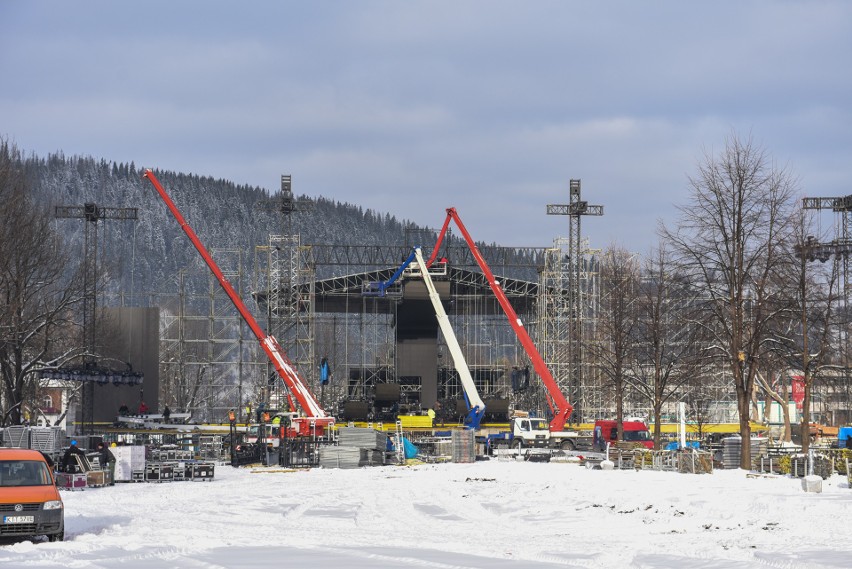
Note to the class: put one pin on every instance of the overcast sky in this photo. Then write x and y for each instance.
(413, 107)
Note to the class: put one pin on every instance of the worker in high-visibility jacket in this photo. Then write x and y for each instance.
(276, 426)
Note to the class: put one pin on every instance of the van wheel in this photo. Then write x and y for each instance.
(56, 537)
(568, 445)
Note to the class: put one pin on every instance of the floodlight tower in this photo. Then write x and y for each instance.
(840, 248)
(575, 209)
(288, 308)
(92, 214)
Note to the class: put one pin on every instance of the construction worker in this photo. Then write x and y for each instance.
(67, 464)
(232, 416)
(107, 461)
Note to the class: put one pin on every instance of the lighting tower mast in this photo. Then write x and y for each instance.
(575, 209)
(288, 308)
(92, 214)
(841, 248)
(841, 245)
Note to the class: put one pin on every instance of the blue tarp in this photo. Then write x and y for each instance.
(843, 437)
(410, 449)
(689, 444)
(407, 446)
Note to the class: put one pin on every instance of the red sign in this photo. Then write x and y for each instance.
(798, 390)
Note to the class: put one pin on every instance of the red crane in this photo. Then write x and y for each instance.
(317, 419)
(559, 405)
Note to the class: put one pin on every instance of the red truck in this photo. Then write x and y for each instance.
(606, 431)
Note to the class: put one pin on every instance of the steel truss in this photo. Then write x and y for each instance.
(207, 367)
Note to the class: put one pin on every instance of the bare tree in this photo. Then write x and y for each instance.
(667, 338)
(37, 323)
(805, 338)
(730, 240)
(613, 346)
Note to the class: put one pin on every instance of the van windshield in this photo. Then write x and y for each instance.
(24, 473)
(637, 436)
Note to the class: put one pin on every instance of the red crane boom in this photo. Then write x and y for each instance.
(316, 418)
(559, 405)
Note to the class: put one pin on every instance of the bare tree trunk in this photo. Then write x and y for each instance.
(744, 406)
(787, 434)
(657, 425)
(805, 425)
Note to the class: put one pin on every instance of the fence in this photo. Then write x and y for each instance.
(686, 461)
(48, 440)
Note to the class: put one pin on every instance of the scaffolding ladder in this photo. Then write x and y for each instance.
(398, 444)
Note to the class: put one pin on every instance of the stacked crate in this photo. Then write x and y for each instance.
(464, 446)
(71, 480)
(211, 447)
(732, 450)
(129, 460)
(339, 457)
(171, 464)
(159, 472)
(48, 440)
(200, 471)
(356, 447)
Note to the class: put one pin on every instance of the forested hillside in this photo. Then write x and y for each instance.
(145, 256)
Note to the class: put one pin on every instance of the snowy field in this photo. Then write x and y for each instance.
(490, 514)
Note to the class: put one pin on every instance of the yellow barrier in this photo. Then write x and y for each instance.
(415, 421)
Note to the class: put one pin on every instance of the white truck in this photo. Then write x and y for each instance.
(534, 432)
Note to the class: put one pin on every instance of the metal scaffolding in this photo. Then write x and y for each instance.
(576, 209)
(207, 365)
(558, 302)
(284, 275)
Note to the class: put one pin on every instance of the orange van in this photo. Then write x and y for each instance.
(30, 504)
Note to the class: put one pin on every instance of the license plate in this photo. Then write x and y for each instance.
(18, 519)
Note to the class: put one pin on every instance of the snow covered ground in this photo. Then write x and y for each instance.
(494, 514)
